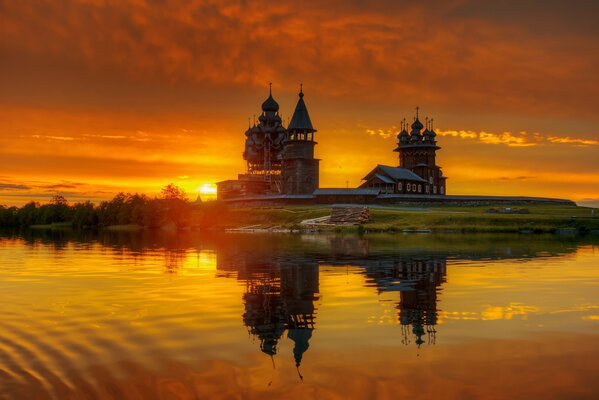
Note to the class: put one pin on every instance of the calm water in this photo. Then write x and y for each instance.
(143, 316)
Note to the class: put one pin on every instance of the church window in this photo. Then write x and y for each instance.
(399, 186)
(434, 190)
(441, 189)
(409, 187)
(428, 188)
(419, 188)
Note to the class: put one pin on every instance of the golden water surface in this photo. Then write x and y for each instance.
(192, 316)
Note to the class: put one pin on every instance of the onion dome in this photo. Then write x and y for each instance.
(432, 132)
(417, 125)
(428, 135)
(403, 136)
(270, 104)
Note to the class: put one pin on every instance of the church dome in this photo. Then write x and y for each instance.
(270, 105)
(403, 135)
(417, 124)
(430, 133)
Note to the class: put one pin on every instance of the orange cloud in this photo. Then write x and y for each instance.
(522, 139)
(569, 140)
(376, 53)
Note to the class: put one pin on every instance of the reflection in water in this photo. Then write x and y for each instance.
(153, 315)
(418, 281)
(281, 291)
(279, 297)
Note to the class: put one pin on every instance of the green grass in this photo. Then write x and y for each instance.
(127, 227)
(545, 209)
(541, 219)
(54, 225)
(474, 219)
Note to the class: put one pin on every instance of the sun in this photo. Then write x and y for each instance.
(207, 189)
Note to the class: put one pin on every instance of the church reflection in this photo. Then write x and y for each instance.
(279, 298)
(282, 302)
(282, 290)
(418, 280)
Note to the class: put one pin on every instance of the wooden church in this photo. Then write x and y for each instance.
(281, 163)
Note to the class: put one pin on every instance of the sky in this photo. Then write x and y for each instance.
(99, 96)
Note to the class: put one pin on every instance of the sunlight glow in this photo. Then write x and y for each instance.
(207, 188)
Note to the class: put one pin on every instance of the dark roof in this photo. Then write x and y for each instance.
(270, 104)
(417, 124)
(346, 192)
(301, 120)
(384, 178)
(399, 173)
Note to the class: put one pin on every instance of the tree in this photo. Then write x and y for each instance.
(173, 192)
(84, 215)
(29, 214)
(56, 211)
(177, 208)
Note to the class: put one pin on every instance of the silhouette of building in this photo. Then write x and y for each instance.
(279, 160)
(299, 167)
(418, 172)
(281, 166)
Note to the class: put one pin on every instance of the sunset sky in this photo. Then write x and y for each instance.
(100, 96)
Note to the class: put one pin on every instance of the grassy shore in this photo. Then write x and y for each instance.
(55, 225)
(540, 219)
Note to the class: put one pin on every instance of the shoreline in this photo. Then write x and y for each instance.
(522, 219)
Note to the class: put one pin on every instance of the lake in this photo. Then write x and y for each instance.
(154, 315)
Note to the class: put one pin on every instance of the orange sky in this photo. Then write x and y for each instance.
(100, 96)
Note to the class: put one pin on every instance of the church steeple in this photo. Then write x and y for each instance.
(300, 122)
(299, 167)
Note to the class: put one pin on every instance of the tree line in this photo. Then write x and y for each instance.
(171, 207)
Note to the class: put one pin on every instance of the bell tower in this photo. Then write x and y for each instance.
(299, 168)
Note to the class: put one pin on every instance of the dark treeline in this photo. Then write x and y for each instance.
(171, 207)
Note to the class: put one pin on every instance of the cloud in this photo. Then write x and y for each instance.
(569, 140)
(469, 55)
(63, 185)
(518, 178)
(521, 139)
(54, 138)
(13, 186)
(385, 134)
(113, 137)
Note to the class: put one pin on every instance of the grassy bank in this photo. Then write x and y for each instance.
(54, 225)
(540, 219)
